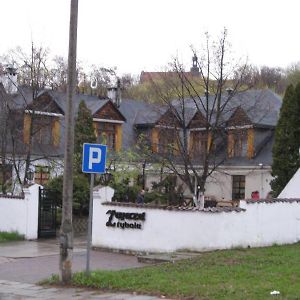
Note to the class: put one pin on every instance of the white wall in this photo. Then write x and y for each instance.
(219, 184)
(261, 224)
(21, 214)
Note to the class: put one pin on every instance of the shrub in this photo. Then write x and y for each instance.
(81, 192)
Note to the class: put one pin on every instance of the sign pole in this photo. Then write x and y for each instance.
(89, 238)
(93, 162)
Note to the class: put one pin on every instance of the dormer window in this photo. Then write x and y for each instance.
(241, 142)
(106, 134)
(42, 130)
(166, 141)
(198, 143)
(45, 128)
(108, 122)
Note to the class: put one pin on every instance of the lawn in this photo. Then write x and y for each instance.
(229, 274)
(10, 236)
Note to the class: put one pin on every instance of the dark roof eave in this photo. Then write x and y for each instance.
(258, 125)
(144, 125)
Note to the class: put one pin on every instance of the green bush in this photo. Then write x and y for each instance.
(156, 197)
(81, 193)
(124, 192)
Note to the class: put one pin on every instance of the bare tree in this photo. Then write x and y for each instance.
(96, 81)
(192, 131)
(33, 77)
(58, 74)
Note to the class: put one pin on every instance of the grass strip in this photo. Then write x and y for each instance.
(10, 236)
(228, 274)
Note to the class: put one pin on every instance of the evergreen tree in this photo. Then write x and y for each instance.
(84, 133)
(286, 159)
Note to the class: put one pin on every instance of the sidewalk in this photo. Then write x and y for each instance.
(22, 264)
(33, 261)
(11, 290)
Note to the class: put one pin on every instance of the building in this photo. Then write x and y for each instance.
(156, 76)
(244, 157)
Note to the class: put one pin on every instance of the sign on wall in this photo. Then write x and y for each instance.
(125, 220)
(94, 158)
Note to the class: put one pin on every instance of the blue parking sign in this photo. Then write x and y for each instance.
(94, 158)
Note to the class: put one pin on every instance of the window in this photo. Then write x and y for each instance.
(238, 187)
(166, 141)
(42, 130)
(240, 143)
(41, 175)
(106, 134)
(198, 141)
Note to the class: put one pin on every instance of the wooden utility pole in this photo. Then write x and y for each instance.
(66, 230)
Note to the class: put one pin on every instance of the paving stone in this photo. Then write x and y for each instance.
(13, 297)
(36, 288)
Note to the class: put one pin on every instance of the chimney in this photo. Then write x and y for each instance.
(114, 93)
(9, 79)
(229, 90)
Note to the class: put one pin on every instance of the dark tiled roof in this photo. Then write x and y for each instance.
(261, 106)
(177, 208)
(93, 103)
(185, 115)
(137, 113)
(24, 98)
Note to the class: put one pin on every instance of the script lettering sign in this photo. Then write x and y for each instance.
(125, 220)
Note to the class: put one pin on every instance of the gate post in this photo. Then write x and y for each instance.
(31, 195)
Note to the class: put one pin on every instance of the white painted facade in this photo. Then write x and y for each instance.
(261, 224)
(55, 168)
(219, 184)
(21, 214)
(256, 179)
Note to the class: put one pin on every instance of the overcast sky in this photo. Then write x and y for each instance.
(136, 35)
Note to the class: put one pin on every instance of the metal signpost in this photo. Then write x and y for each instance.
(93, 162)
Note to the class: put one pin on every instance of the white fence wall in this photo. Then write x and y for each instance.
(21, 214)
(260, 224)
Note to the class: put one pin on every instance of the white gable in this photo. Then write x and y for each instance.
(292, 189)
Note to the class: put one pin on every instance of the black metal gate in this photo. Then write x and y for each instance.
(47, 214)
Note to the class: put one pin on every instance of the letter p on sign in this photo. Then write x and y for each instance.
(94, 158)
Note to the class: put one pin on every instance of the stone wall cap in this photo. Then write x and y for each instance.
(177, 208)
(21, 197)
(272, 200)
